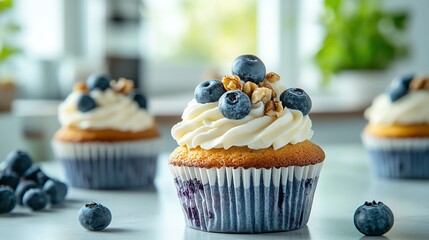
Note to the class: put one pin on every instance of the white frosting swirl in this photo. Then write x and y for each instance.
(114, 111)
(410, 109)
(204, 125)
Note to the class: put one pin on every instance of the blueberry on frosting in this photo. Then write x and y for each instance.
(234, 104)
(209, 91)
(140, 99)
(249, 68)
(98, 81)
(296, 98)
(85, 103)
(400, 87)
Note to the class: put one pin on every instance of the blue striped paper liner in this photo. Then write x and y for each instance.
(398, 157)
(246, 200)
(113, 165)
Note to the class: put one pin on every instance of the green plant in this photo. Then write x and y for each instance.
(6, 29)
(360, 35)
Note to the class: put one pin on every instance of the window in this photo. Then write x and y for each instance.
(194, 31)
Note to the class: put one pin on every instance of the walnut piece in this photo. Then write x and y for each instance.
(420, 83)
(274, 108)
(80, 87)
(273, 93)
(122, 85)
(262, 94)
(231, 82)
(249, 87)
(272, 77)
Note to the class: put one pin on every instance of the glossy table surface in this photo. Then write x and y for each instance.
(345, 183)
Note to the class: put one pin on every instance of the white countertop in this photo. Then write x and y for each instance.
(345, 184)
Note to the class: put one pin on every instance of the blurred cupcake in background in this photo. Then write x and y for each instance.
(397, 135)
(108, 140)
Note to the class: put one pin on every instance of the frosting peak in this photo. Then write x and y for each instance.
(114, 111)
(410, 109)
(204, 125)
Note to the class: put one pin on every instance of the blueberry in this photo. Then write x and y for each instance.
(42, 178)
(18, 161)
(23, 187)
(98, 81)
(85, 103)
(36, 174)
(57, 190)
(296, 98)
(234, 104)
(209, 91)
(373, 219)
(140, 99)
(400, 87)
(35, 199)
(249, 68)
(9, 178)
(7, 199)
(94, 217)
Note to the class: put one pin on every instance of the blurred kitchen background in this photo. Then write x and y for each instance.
(343, 52)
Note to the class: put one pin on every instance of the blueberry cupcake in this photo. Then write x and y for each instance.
(108, 140)
(245, 163)
(397, 135)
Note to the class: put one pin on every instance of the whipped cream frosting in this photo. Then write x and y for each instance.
(410, 109)
(114, 111)
(204, 125)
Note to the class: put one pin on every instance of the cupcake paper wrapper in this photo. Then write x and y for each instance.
(246, 200)
(398, 157)
(100, 165)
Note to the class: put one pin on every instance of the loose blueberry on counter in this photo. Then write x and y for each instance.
(18, 161)
(249, 68)
(234, 104)
(98, 81)
(209, 91)
(94, 216)
(140, 99)
(85, 103)
(57, 190)
(7, 199)
(373, 219)
(22, 188)
(9, 178)
(296, 98)
(35, 199)
(400, 87)
(42, 178)
(36, 174)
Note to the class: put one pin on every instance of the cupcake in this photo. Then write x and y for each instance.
(108, 140)
(397, 135)
(245, 163)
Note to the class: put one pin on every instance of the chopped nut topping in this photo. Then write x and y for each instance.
(273, 93)
(272, 77)
(420, 83)
(231, 82)
(279, 106)
(274, 108)
(269, 106)
(262, 94)
(122, 85)
(249, 88)
(80, 87)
